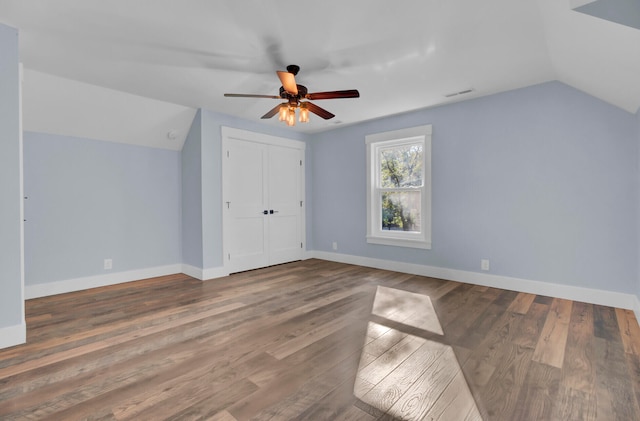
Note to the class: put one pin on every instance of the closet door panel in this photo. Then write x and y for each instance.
(246, 193)
(284, 200)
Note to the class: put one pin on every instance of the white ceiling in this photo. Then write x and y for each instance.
(400, 55)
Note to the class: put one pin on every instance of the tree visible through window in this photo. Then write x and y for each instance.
(398, 198)
(401, 173)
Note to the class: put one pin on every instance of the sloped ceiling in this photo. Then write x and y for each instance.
(401, 56)
(626, 12)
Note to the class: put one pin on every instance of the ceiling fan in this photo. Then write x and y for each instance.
(294, 94)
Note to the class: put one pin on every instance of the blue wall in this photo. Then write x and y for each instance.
(192, 195)
(11, 307)
(89, 200)
(543, 181)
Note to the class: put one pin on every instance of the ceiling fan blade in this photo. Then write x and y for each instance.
(272, 112)
(351, 93)
(288, 82)
(319, 111)
(252, 96)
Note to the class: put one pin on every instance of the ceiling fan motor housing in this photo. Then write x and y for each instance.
(293, 68)
(302, 92)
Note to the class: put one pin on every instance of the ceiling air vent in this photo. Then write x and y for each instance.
(466, 91)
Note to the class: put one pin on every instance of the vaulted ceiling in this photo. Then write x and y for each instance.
(401, 56)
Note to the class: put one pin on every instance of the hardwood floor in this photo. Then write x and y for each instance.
(316, 340)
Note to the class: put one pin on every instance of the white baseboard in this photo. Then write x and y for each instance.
(192, 271)
(204, 274)
(587, 295)
(213, 273)
(78, 284)
(13, 335)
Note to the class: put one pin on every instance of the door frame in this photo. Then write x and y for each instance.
(230, 133)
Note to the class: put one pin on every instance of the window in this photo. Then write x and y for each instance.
(399, 187)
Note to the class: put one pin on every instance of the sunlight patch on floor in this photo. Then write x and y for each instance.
(407, 308)
(405, 375)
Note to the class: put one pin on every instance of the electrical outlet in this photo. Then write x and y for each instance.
(335, 245)
(484, 264)
(108, 264)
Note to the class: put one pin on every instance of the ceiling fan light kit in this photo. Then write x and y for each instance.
(293, 94)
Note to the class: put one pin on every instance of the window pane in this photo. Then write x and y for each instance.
(401, 166)
(401, 211)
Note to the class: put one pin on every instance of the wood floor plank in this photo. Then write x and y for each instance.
(578, 368)
(483, 325)
(388, 362)
(455, 403)
(427, 388)
(633, 364)
(551, 345)
(452, 303)
(386, 393)
(204, 406)
(384, 342)
(304, 339)
(288, 383)
(529, 331)
(614, 390)
(522, 303)
(462, 324)
(353, 413)
(319, 340)
(308, 394)
(223, 416)
(499, 395)
(537, 395)
(605, 323)
(498, 340)
(629, 331)
(571, 404)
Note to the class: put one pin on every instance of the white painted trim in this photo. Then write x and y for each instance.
(214, 273)
(13, 335)
(78, 284)
(204, 274)
(192, 271)
(587, 295)
(22, 196)
(242, 134)
(373, 144)
(636, 308)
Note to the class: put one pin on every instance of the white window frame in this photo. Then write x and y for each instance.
(375, 233)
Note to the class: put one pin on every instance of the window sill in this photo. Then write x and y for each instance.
(399, 242)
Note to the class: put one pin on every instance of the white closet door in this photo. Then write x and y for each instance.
(284, 200)
(245, 187)
(262, 209)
